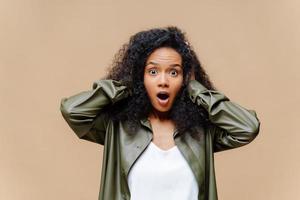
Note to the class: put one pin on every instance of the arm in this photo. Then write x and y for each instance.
(83, 111)
(235, 126)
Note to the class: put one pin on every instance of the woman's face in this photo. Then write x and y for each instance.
(163, 78)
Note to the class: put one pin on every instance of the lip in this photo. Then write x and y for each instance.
(163, 102)
(163, 92)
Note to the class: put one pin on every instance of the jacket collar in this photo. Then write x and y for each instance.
(146, 123)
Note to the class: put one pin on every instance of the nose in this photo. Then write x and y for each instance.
(163, 81)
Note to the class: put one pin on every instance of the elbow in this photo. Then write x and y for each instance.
(64, 109)
(253, 129)
(77, 121)
(68, 110)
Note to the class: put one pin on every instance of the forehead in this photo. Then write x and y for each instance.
(164, 55)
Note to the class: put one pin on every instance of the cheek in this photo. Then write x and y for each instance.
(178, 86)
(179, 82)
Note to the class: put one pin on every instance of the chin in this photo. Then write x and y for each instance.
(162, 110)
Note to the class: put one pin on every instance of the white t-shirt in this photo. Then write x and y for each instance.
(162, 174)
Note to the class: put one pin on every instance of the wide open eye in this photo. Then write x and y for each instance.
(152, 71)
(174, 72)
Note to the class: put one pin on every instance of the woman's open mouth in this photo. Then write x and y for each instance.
(163, 98)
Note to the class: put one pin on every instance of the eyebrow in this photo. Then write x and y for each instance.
(172, 65)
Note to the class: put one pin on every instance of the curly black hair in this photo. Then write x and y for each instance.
(128, 67)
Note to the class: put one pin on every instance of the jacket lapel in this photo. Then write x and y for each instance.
(133, 144)
(194, 153)
(191, 146)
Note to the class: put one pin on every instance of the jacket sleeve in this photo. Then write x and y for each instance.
(233, 125)
(84, 112)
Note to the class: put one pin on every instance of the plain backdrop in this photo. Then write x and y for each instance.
(54, 49)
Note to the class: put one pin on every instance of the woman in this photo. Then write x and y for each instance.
(160, 120)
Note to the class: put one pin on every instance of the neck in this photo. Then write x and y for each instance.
(162, 116)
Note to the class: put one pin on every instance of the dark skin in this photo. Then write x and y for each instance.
(164, 115)
(163, 128)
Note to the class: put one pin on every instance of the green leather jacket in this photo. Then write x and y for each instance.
(233, 126)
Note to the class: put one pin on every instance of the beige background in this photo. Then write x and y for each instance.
(54, 49)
